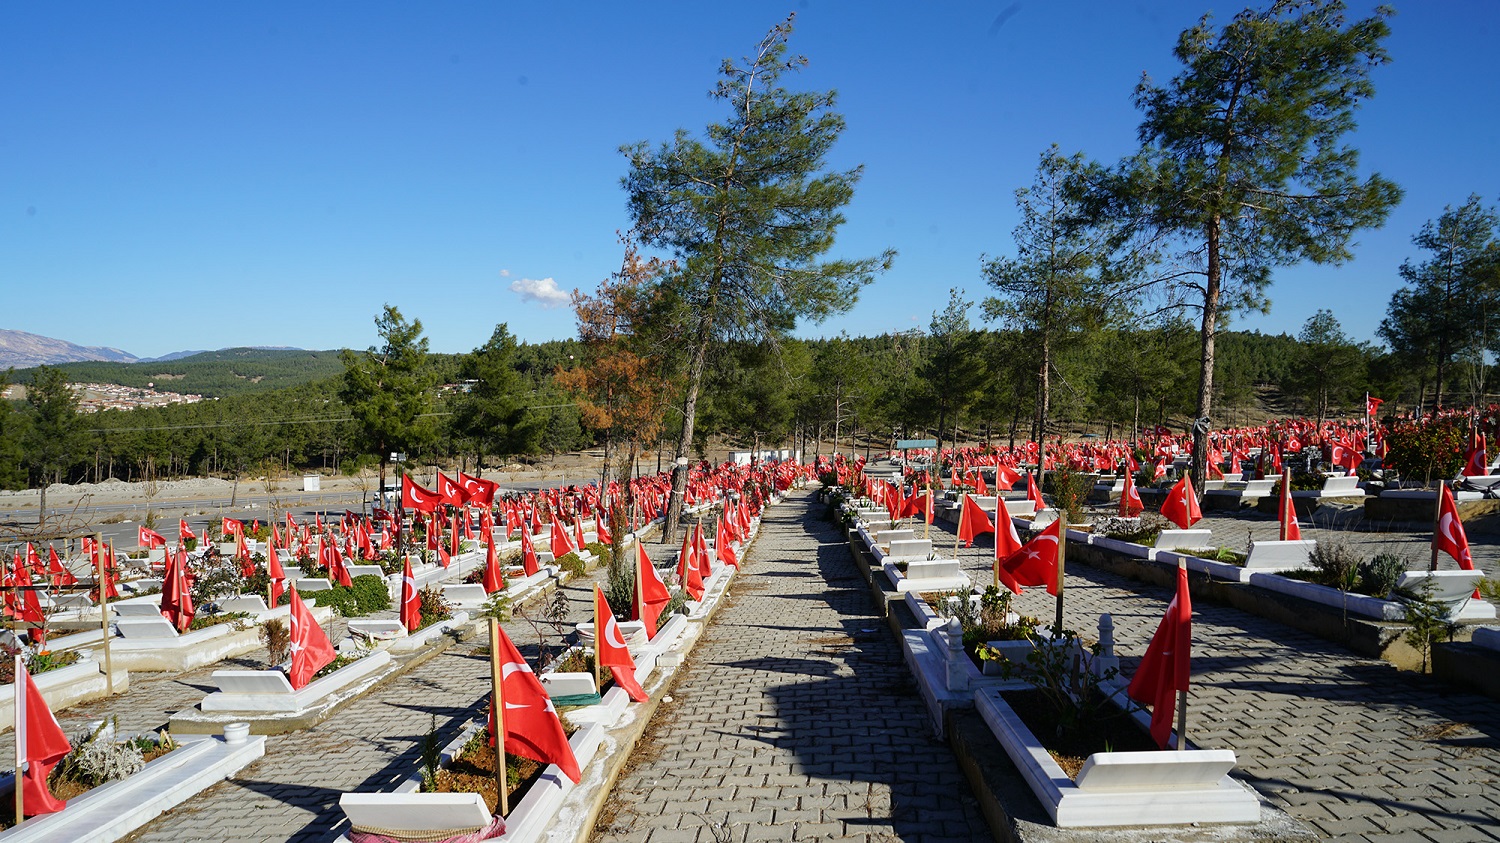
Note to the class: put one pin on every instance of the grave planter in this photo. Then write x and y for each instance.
(115, 809)
(1354, 604)
(1122, 788)
(422, 637)
(78, 683)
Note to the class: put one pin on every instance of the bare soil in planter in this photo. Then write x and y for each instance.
(66, 789)
(1117, 732)
(473, 771)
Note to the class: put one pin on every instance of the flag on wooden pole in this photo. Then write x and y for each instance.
(1165, 669)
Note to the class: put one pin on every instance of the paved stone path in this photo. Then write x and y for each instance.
(1349, 745)
(795, 717)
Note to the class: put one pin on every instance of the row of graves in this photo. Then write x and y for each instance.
(1026, 678)
(450, 561)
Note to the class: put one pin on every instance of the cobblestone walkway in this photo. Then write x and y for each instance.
(1349, 745)
(795, 718)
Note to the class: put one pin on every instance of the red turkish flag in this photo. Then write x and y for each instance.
(724, 544)
(687, 568)
(972, 521)
(1449, 537)
(494, 578)
(610, 650)
(411, 601)
(1130, 499)
(414, 496)
(1032, 492)
(150, 538)
(1372, 405)
(60, 575)
(979, 487)
(1181, 505)
(532, 729)
(1475, 462)
(1034, 564)
(45, 745)
(561, 544)
(1005, 477)
(311, 649)
(651, 593)
(478, 490)
(1166, 667)
(275, 572)
(528, 551)
(1286, 513)
(184, 532)
(450, 492)
(176, 596)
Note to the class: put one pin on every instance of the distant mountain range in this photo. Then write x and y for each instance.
(21, 350)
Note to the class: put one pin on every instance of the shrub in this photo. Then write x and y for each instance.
(572, 564)
(370, 594)
(339, 598)
(434, 607)
(1379, 575)
(1427, 449)
(1070, 490)
(277, 637)
(1336, 562)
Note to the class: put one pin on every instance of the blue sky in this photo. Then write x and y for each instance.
(201, 175)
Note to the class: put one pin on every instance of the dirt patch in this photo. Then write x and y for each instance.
(1443, 731)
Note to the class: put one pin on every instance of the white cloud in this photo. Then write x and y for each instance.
(543, 292)
(504, 273)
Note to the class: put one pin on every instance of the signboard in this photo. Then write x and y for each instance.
(904, 444)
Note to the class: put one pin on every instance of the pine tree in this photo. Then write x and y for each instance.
(747, 211)
(386, 388)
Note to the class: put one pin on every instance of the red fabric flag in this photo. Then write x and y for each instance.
(1034, 564)
(651, 593)
(414, 496)
(1165, 668)
(578, 540)
(532, 728)
(149, 538)
(601, 528)
(561, 544)
(724, 545)
(972, 522)
(528, 552)
(478, 490)
(1475, 462)
(494, 578)
(1033, 493)
(45, 745)
(275, 573)
(184, 532)
(1372, 405)
(979, 487)
(687, 568)
(449, 492)
(1130, 499)
(1449, 537)
(411, 601)
(610, 650)
(311, 649)
(176, 597)
(60, 575)
(1286, 513)
(700, 552)
(1181, 505)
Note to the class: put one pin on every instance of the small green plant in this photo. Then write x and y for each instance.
(431, 755)
(1070, 491)
(1426, 620)
(1336, 562)
(370, 594)
(435, 609)
(1378, 576)
(573, 564)
(1062, 669)
(497, 607)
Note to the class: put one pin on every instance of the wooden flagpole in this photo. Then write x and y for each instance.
(497, 687)
(20, 733)
(927, 508)
(1062, 555)
(1437, 524)
(598, 636)
(100, 577)
(1182, 696)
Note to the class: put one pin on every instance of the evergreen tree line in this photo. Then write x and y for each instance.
(501, 402)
